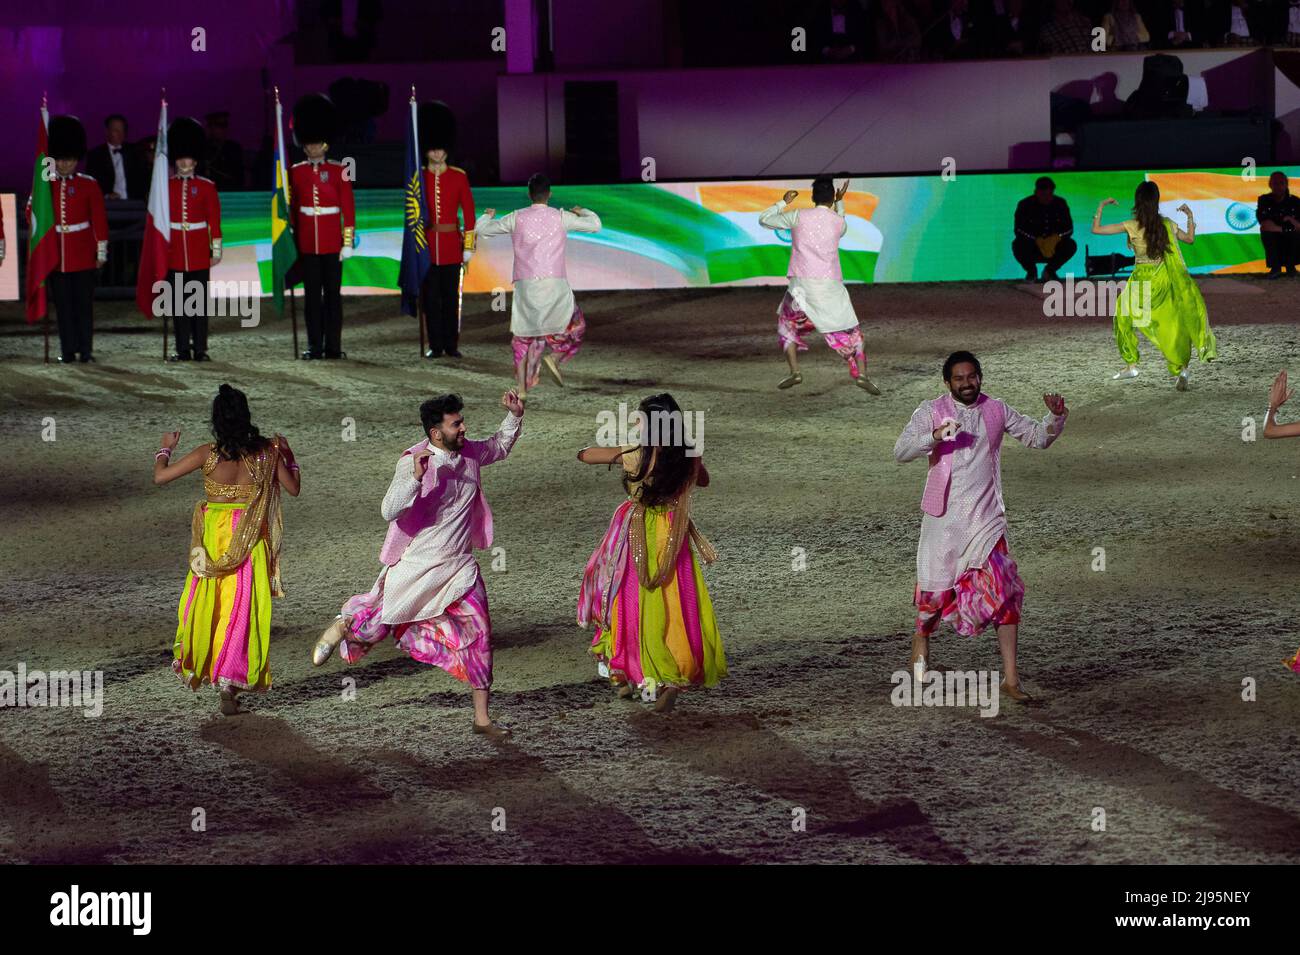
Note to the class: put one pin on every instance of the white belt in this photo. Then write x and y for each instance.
(319, 210)
(75, 227)
(187, 226)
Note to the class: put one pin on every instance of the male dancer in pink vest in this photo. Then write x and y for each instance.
(430, 596)
(964, 571)
(816, 297)
(542, 309)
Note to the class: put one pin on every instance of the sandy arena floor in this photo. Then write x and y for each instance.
(1140, 667)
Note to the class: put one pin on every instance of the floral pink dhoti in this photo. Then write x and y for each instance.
(565, 345)
(991, 594)
(792, 325)
(458, 640)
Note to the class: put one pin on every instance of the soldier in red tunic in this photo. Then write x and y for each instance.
(195, 240)
(446, 190)
(324, 222)
(81, 238)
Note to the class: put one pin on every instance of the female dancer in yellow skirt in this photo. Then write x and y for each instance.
(655, 628)
(224, 630)
(1160, 296)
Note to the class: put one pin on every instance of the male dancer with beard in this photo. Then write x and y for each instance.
(430, 596)
(964, 571)
(817, 299)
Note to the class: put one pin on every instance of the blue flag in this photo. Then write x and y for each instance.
(415, 241)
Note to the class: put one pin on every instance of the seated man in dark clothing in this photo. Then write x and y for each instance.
(1043, 228)
(1278, 213)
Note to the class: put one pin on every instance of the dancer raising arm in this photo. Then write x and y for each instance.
(1160, 296)
(223, 633)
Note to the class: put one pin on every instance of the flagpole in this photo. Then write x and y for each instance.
(420, 303)
(282, 186)
(45, 118)
(164, 311)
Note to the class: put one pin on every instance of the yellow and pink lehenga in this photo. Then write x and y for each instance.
(224, 631)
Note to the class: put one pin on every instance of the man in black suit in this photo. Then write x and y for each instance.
(1178, 25)
(839, 31)
(225, 158)
(116, 165)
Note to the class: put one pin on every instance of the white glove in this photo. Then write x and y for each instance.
(345, 252)
(216, 252)
(2, 250)
(467, 256)
(101, 252)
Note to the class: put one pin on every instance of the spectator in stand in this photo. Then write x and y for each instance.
(1178, 25)
(1009, 30)
(1238, 24)
(1278, 214)
(116, 165)
(224, 163)
(839, 31)
(954, 34)
(1068, 31)
(1291, 24)
(1124, 28)
(898, 38)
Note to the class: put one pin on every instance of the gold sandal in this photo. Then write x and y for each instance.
(328, 642)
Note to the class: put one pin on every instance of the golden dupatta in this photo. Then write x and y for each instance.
(260, 520)
(681, 530)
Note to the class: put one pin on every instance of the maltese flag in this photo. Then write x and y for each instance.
(157, 226)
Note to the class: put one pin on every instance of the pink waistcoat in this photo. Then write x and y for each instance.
(424, 511)
(816, 240)
(939, 478)
(539, 241)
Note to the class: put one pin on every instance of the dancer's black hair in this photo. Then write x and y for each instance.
(1146, 210)
(232, 425)
(433, 410)
(663, 428)
(539, 186)
(823, 190)
(955, 359)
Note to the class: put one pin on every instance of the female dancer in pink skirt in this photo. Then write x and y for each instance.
(642, 588)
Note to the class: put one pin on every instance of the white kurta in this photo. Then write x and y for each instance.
(966, 533)
(544, 306)
(438, 567)
(825, 301)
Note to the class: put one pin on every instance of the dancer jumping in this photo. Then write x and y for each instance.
(816, 298)
(642, 587)
(430, 596)
(542, 309)
(1160, 297)
(964, 570)
(224, 632)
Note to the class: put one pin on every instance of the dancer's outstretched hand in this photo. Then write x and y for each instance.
(1279, 394)
(1107, 202)
(790, 196)
(842, 191)
(172, 438)
(512, 403)
(1055, 404)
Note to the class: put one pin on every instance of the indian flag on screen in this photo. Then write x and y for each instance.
(1223, 205)
(765, 252)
